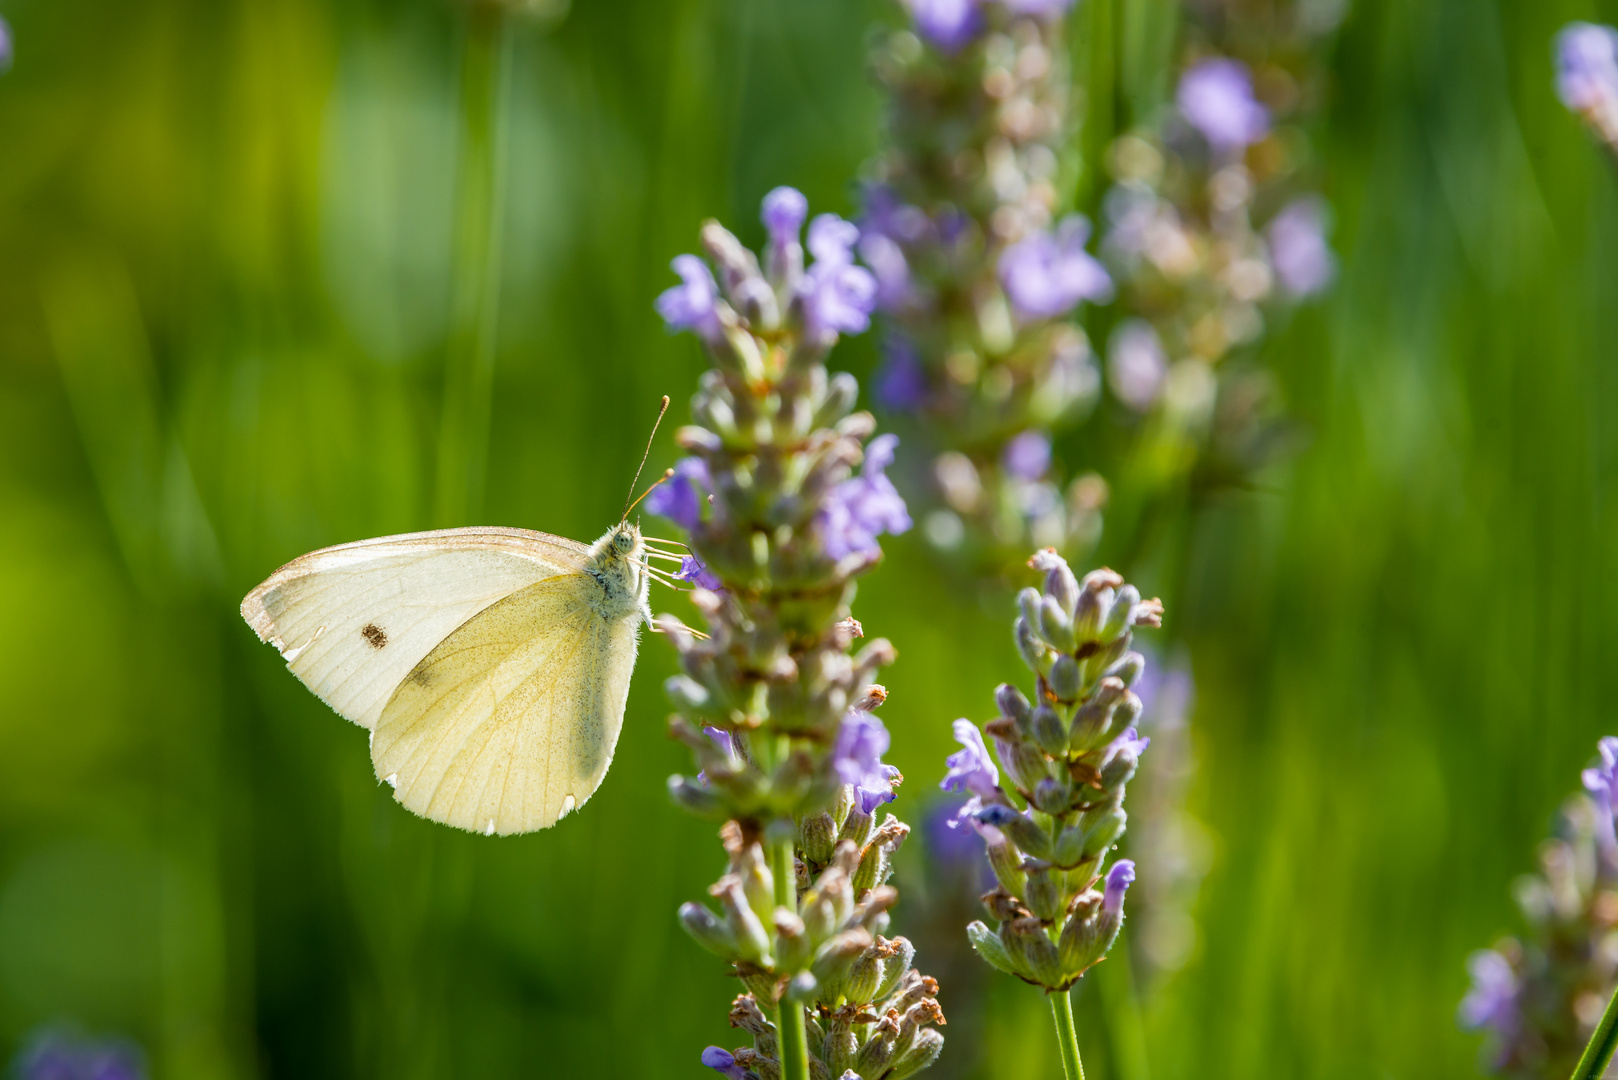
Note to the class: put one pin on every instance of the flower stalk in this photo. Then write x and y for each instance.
(784, 498)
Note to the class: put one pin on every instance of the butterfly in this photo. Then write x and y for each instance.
(490, 665)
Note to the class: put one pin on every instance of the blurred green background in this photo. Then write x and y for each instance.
(227, 234)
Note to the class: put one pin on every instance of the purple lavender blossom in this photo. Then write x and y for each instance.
(1587, 66)
(723, 1062)
(680, 497)
(838, 296)
(694, 570)
(857, 758)
(888, 264)
(1046, 276)
(891, 216)
(900, 384)
(1130, 742)
(1492, 1001)
(693, 304)
(1601, 781)
(970, 768)
(1027, 456)
(1136, 364)
(864, 507)
(723, 740)
(56, 1056)
(1298, 250)
(5, 46)
(1216, 96)
(949, 25)
(1119, 878)
(785, 210)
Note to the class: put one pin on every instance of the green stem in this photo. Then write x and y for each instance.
(469, 371)
(1602, 1043)
(790, 1035)
(1066, 1038)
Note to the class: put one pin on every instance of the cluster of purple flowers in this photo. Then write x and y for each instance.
(1587, 76)
(1538, 996)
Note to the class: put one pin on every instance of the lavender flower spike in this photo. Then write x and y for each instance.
(1216, 97)
(857, 758)
(949, 25)
(680, 497)
(1046, 276)
(864, 507)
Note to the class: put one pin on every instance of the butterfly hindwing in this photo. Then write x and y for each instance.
(353, 621)
(512, 720)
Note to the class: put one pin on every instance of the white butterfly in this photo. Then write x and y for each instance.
(490, 665)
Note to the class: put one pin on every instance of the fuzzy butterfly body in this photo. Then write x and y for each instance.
(490, 665)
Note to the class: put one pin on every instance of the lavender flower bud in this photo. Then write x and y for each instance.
(895, 967)
(842, 394)
(922, 1053)
(1063, 587)
(1033, 650)
(785, 210)
(1066, 680)
(708, 931)
(1011, 702)
(1033, 951)
(817, 837)
(752, 940)
(1055, 627)
(1121, 615)
(1080, 944)
(1028, 602)
(1023, 762)
(699, 799)
(1087, 615)
(1052, 796)
(1049, 731)
(1021, 830)
(724, 1063)
(834, 959)
(1101, 828)
(987, 944)
(792, 948)
(873, 1057)
(1043, 893)
(1128, 669)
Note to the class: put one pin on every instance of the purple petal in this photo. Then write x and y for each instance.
(1216, 97)
(1587, 65)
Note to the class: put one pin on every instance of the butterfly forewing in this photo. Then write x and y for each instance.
(511, 722)
(355, 620)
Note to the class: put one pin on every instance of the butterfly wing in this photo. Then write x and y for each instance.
(512, 721)
(353, 621)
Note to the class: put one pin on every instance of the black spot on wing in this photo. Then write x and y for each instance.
(375, 635)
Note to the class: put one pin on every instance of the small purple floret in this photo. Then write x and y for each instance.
(785, 210)
(1119, 878)
(722, 1062)
(1492, 1001)
(864, 507)
(692, 304)
(857, 758)
(838, 297)
(901, 381)
(970, 768)
(1303, 260)
(1216, 97)
(1587, 66)
(694, 570)
(1028, 456)
(949, 25)
(680, 497)
(1046, 276)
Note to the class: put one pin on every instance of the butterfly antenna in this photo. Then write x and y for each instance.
(628, 506)
(666, 474)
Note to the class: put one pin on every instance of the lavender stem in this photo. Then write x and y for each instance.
(1603, 1041)
(1066, 1037)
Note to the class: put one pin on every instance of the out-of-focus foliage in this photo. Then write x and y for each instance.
(227, 232)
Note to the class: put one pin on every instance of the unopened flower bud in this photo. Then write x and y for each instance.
(1080, 944)
(1025, 765)
(1052, 796)
(864, 975)
(842, 393)
(1049, 731)
(685, 692)
(1021, 830)
(1102, 826)
(1007, 863)
(1063, 587)
(1054, 625)
(802, 988)
(1066, 680)
(1087, 614)
(792, 941)
(1121, 616)
(1034, 951)
(708, 931)
(817, 837)
(1128, 669)
(1031, 648)
(1028, 603)
(752, 940)
(1011, 702)
(700, 799)
(895, 967)
(987, 944)
(922, 1053)
(837, 955)
(1044, 892)
(873, 1057)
